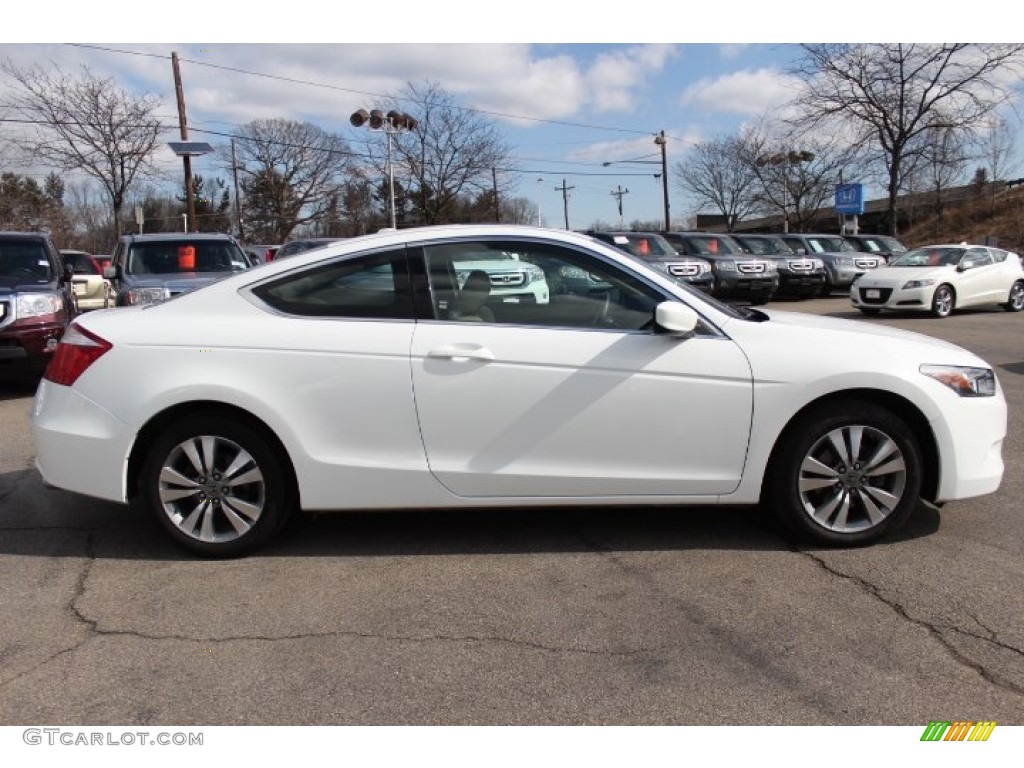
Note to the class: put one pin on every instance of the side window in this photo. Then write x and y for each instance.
(374, 286)
(979, 257)
(998, 255)
(524, 283)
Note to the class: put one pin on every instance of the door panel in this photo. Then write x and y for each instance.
(532, 411)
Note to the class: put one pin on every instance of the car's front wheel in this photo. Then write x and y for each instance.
(216, 485)
(943, 301)
(1015, 303)
(847, 473)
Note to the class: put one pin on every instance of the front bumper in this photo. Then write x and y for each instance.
(744, 286)
(890, 297)
(801, 284)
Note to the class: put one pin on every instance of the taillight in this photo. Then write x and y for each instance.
(78, 349)
(270, 254)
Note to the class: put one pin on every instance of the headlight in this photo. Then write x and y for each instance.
(724, 265)
(771, 267)
(146, 295)
(966, 382)
(37, 305)
(532, 273)
(917, 284)
(818, 263)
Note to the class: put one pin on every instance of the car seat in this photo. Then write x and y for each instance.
(470, 305)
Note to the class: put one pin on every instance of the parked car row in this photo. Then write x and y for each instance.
(758, 267)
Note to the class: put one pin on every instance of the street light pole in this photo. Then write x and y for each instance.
(662, 142)
(390, 124)
(786, 159)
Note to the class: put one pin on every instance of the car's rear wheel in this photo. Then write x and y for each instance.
(848, 473)
(1015, 303)
(216, 485)
(943, 301)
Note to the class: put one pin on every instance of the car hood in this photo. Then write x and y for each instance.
(9, 285)
(883, 277)
(178, 283)
(814, 332)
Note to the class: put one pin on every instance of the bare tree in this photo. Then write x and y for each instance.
(718, 175)
(888, 95)
(292, 174)
(797, 177)
(85, 123)
(452, 152)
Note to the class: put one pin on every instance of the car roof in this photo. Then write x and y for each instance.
(26, 235)
(164, 236)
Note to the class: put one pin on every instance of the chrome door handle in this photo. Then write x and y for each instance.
(461, 352)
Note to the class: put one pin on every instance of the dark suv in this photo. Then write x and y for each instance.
(653, 249)
(36, 303)
(150, 268)
(799, 276)
(738, 275)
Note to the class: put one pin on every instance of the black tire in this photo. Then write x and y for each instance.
(826, 289)
(810, 483)
(869, 310)
(224, 513)
(943, 301)
(1015, 302)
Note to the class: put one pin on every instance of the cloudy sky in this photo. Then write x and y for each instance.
(565, 107)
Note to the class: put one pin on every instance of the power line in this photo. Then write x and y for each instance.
(299, 81)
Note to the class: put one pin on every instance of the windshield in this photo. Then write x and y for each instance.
(829, 245)
(24, 261)
(765, 246)
(169, 257)
(929, 257)
(712, 246)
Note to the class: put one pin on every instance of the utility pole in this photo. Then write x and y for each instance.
(238, 200)
(661, 141)
(617, 194)
(190, 194)
(565, 200)
(497, 208)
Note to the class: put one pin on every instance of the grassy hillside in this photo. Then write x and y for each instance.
(972, 221)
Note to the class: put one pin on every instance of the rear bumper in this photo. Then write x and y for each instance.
(28, 347)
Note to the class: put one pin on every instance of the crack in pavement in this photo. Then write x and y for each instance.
(79, 590)
(94, 629)
(935, 630)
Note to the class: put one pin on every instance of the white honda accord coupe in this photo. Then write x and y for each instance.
(369, 375)
(941, 278)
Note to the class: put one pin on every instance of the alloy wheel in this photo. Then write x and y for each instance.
(211, 489)
(852, 479)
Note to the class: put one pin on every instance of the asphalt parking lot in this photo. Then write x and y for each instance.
(691, 617)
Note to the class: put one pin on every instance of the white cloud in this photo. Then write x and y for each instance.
(616, 78)
(747, 92)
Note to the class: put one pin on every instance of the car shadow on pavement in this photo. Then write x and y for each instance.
(17, 389)
(32, 515)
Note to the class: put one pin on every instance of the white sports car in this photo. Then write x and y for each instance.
(941, 278)
(367, 375)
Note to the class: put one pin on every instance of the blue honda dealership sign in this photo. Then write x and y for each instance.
(850, 198)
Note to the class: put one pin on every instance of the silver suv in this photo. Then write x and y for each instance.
(843, 262)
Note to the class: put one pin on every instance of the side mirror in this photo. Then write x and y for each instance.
(110, 273)
(675, 318)
(966, 264)
(66, 273)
